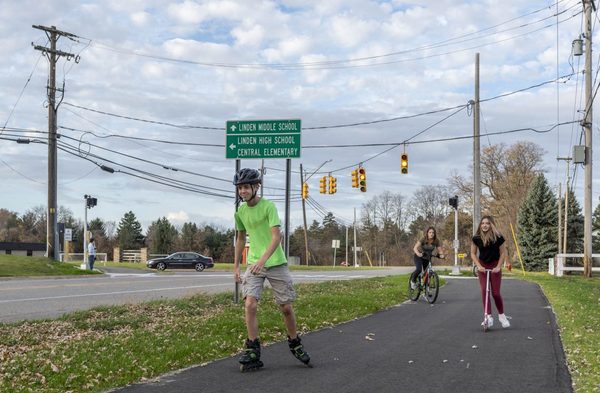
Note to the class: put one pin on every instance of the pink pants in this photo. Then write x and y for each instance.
(495, 281)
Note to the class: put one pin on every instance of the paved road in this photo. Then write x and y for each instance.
(414, 348)
(30, 299)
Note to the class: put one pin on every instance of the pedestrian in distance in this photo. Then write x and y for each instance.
(488, 251)
(423, 250)
(257, 217)
(91, 253)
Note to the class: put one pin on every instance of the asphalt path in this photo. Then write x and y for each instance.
(413, 347)
(39, 298)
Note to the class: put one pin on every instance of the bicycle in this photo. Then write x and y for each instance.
(427, 282)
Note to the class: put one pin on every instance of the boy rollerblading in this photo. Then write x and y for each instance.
(258, 218)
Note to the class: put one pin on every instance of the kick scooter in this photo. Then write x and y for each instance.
(487, 300)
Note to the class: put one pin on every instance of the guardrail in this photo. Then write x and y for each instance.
(557, 265)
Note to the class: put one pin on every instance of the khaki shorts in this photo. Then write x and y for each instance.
(279, 278)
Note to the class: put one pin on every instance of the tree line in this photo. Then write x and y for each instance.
(514, 190)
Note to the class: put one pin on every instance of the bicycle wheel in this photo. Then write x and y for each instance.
(432, 287)
(413, 293)
(475, 270)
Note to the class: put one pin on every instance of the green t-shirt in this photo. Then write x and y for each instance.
(257, 221)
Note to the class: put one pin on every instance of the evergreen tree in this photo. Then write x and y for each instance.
(161, 236)
(575, 224)
(596, 229)
(537, 225)
(129, 232)
(189, 237)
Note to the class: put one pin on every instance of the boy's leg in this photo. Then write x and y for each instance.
(251, 305)
(252, 286)
(289, 318)
(281, 281)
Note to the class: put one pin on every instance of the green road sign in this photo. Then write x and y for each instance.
(263, 139)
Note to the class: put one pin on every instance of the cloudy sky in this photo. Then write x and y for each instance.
(156, 81)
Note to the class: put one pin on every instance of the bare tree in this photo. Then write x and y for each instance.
(430, 203)
(506, 175)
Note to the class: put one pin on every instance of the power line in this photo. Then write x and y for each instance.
(565, 77)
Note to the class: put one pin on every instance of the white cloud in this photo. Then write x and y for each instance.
(178, 217)
(141, 18)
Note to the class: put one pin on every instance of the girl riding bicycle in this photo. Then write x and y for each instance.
(423, 250)
(488, 242)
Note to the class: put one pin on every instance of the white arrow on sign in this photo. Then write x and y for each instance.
(233, 127)
(232, 146)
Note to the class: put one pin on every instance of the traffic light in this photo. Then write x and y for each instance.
(305, 190)
(453, 201)
(355, 178)
(90, 201)
(323, 185)
(332, 185)
(404, 163)
(362, 179)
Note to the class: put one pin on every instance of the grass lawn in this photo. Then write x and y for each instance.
(22, 266)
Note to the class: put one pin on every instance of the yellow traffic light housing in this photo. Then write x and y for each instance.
(362, 179)
(404, 163)
(304, 190)
(332, 185)
(323, 185)
(355, 178)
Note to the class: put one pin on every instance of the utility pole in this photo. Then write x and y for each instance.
(52, 54)
(476, 153)
(304, 217)
(568, 180)
(288, 183)
(236, 285)
(355, 251)
(587, 126)
(560, 250)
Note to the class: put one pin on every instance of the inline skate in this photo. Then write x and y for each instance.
(250, 359)
(298, 351)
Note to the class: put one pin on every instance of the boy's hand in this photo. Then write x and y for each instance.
(236, 274)
(257, 267)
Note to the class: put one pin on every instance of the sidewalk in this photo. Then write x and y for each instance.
(414, 347)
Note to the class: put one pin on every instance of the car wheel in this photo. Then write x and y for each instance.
(199, 267)
(161, 266)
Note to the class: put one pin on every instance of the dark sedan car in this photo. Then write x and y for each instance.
(181, 260)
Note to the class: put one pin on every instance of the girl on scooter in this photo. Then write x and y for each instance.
(488, 252)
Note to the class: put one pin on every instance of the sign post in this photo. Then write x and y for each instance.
(335, 244)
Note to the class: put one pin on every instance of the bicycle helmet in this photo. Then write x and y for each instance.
(247, 176)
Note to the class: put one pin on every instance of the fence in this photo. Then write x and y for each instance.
(557, 265)
(131, 256)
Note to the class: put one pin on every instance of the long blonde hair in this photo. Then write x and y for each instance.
(490, 236)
